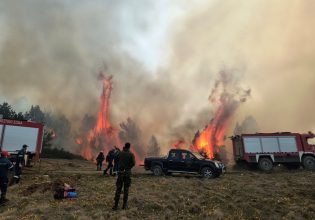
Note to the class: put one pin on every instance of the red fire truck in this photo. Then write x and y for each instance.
(14, 134)
(269, 149)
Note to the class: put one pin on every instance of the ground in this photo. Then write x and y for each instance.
(241, 194)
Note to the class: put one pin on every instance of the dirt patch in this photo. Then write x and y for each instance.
(37, 187)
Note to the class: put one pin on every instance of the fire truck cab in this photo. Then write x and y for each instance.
(14, 134)
(269, 149)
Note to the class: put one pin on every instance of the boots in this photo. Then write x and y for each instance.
(16, 179)
(3, 199)
(125, 199)
(125, 205)
(115, 207)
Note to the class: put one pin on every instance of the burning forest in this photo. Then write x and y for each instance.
(104, 136)
(225, 98)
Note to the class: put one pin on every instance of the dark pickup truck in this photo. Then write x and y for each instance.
(184, 161)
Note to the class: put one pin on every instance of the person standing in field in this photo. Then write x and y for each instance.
(126, 162)
(109, 160)
(99, 160)
(19, 162)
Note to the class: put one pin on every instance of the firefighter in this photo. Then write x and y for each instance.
(126, 162)
(5, 165)
(19, 163)
(99, 160)
(109, 160)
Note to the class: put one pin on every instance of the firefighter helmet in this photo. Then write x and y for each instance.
(5, 153)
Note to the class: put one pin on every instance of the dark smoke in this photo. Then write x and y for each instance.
(248, 126)
(153, 148)
(131, 133)
(87, 124)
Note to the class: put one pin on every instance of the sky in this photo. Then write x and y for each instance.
(164, 57)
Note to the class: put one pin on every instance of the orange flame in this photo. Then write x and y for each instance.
(212, 137)
(227, 96)
(104, 136)
(79, 140)
(179, 144)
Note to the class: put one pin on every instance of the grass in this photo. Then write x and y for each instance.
(282, 194)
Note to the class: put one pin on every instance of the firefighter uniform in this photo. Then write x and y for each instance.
(99, 159)
(5, 165)
(126, 162)
(19, 163)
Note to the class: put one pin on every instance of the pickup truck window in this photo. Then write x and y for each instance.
(190, 156)
(173, 156)
(187, 156)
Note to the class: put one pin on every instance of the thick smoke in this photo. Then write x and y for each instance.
(130, 132)
(226, 96)
(271, 42)
(153, 148)
(51, 52)
(248, 126)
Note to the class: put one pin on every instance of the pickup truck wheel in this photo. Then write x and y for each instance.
(309, 162)
(265, 164)
(207, 172)
(157, 170)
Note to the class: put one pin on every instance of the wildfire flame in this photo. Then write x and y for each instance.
(212, 137)
(104, 136)
(226, 97)
(179, 144)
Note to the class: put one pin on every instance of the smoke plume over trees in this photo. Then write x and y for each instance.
(163, 69)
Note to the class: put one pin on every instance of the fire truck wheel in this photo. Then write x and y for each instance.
(207, 172)
(157, 170)
(265, 164)
(309, 162)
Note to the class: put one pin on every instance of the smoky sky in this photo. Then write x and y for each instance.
(271, 46)
(164, 58)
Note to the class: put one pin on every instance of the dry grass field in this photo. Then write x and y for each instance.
(282, 194)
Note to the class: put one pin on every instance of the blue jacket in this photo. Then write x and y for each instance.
(110, 156)
(5, 165)
(20, 156)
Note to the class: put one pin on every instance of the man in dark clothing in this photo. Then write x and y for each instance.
(116, 160)
(109, 160)
(19, 162)
(99, 160)
(5, 165)
(126, 162)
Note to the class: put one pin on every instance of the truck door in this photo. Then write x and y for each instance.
(175, 161)
(192, 164)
